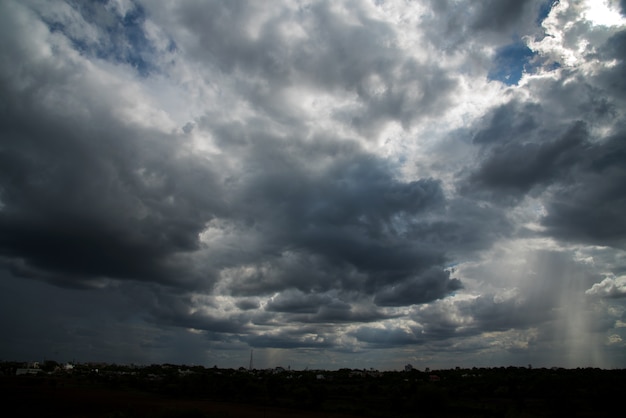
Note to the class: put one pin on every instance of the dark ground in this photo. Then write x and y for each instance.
(21, 398)
(195, 392)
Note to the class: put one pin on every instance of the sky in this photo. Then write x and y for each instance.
(325, 184)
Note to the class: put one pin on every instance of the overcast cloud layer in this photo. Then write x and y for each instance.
(330, 183)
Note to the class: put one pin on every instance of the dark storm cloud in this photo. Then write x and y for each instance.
(555, 279)
(520, 165)
(232, 324)
(247, 304)
(591, 208)
(502, 15)
(164, 306)
(342, 312)
(612, 79)
(219, 174)
(347, 224)
(105, 324)
(550, 149)
(425, 288)
(303, 337)
(324, 308)
(467, 227)
(297, 302)
(86, 197)
(387, 337)
(455, 24)
(588, 207)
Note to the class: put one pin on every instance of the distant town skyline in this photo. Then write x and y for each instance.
(332, 184)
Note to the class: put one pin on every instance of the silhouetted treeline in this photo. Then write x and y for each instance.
(484, 392)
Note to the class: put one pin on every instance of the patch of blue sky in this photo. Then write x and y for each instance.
(122, 38)
(511, 61)
(544, 10)
(133, 47)
(515, 59)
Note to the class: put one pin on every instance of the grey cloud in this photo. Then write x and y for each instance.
(615, 47)
(248, 304)
(589, 209)
(165, 307)
(456, 25)
(289, 338)
(122, 220)
(441, 322)
(220, 36)
(188, 127)
(586, 206)
(321, 309)
(509, 122)
(427, 287)
(357, 51)
(267, 222)
(611, 79)
(88, 197)
(334, 55)
(345, 225)
(550, 149)
(422, 90)
(492, 314)
(48, 321)
(234, 324)
(342, 312)
(518, 166)
(297, 302)
(465, 227)
(546, 295)
(387, 337)
(504, 15)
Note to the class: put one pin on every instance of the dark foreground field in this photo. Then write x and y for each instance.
(37, 397)
(196, 392)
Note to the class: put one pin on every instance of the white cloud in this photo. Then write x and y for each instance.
(614, 339)
(603, 12)
(611, 287)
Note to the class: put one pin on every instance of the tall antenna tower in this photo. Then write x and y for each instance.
(250, 367)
